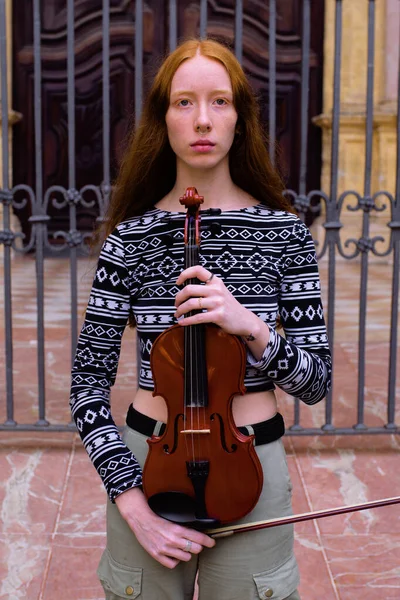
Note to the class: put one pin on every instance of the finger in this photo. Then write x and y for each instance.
(198, 303)
(191, 547)
(191, 291)
(197, 271)
(183, 556)
(196, 537)
(206, 541)
(196, 548)
(203, 317)
(167, 561)
(177, 553)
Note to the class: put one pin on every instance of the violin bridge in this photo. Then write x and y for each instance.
(196, 431)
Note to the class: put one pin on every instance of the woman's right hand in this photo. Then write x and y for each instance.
(166, 542)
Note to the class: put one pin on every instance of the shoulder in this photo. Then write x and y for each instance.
(139, 223)
(287, 230)
(131, 236)
(294, 226)
(280, 220)
(136, 228)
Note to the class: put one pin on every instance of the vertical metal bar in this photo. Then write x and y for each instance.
(395, 285)
(106, 93)
(305, 68)
(366, 217)
(239, 30)
(173, 25)
(71, 93)
(4, 95)
(305, 90)
(6, 221)
(272, 79)
(38, 226)
(138, 59)
(138, 90)
(72, 194)
(332, 206)
(305, 74)
(203, 18)
(38, 99)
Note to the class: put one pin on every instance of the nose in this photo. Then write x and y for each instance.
(202, 123)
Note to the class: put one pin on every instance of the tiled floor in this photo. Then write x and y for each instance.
(52, 502)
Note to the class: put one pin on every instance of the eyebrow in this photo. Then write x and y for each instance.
(223, 92)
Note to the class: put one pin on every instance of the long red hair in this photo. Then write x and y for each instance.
(148, 169)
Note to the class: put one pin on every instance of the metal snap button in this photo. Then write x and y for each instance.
(268, 593)
(129, 590)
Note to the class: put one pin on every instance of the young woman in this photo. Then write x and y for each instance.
(200, 128)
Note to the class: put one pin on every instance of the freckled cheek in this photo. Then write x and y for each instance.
(229, 135)
(228, 127)
(177, 134)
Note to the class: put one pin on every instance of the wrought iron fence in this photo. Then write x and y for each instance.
(334, 252)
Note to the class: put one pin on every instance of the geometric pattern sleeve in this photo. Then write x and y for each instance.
(300, 362)
(95, 368)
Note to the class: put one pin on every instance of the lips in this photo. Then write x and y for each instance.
(200, 143)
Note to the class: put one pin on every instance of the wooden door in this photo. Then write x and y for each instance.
(88, 83)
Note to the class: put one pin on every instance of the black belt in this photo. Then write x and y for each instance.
(265, 432)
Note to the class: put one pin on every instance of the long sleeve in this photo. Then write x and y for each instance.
(95, 368)
(300, 362)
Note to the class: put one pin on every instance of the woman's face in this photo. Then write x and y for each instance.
(201, 118)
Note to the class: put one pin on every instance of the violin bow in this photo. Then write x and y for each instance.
(308, 516)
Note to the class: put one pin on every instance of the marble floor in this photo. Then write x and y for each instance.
(52, 502)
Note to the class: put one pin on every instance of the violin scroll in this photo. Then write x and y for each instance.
(191, 198)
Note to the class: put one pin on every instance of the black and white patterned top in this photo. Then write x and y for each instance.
(266, 259)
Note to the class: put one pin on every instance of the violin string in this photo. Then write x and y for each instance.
(201, 411)
(192, 345)
(188, 369)
(205, 412)
(195, 257)
(203, 384)
(185, 347)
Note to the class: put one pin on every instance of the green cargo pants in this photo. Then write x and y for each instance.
(247, 566)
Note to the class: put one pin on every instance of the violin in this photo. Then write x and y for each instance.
(202, 471)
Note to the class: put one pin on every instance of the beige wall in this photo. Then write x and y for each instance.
(353, 102)
(13, 117)
(392, 49)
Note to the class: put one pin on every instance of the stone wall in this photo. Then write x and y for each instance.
(353, 104)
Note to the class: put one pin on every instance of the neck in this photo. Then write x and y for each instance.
(215, 185)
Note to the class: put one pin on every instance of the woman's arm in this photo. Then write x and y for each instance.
(95, 368)
(300, 362)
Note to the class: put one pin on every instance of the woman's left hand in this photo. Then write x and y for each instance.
(216, 302)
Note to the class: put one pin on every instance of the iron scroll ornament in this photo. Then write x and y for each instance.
(332, 224)
(39, 218)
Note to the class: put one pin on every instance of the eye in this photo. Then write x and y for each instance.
(220, 101)
(183, 102)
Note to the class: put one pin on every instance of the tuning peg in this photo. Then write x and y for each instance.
(213, 212)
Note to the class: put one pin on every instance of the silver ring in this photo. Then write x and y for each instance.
(210, 278)
(188, 546)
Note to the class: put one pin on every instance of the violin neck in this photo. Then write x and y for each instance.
(196, 384)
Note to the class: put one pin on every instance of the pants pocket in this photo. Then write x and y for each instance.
(278, 583)
(119, 582)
